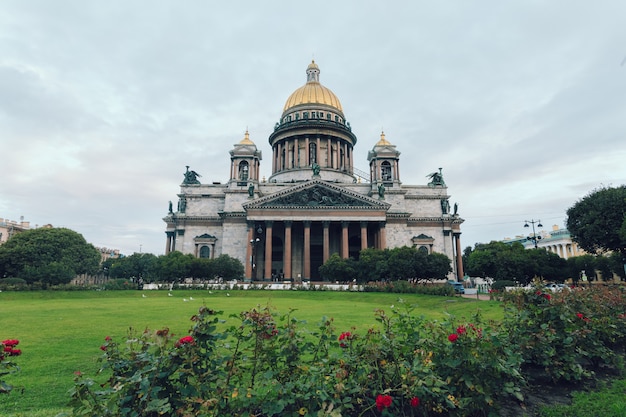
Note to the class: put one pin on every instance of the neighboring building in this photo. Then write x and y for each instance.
(558, 241)
(9, 228)
(315, 203)
(106, 253)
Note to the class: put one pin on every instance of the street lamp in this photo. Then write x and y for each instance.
(534, 236)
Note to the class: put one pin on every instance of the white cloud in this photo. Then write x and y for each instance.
(103, 104)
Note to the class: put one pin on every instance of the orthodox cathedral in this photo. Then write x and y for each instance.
(315, 203)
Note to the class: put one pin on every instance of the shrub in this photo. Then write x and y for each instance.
(566, 334)
(268, 366)
(13, 284)
(119, 284)
(7, 366)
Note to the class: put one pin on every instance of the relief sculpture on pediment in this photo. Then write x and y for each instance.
(317, 196)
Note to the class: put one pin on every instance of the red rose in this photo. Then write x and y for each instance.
(185, 340)
(108, 338)
(579, 315)
(15, 352)
(453, 337)
(10, 342)
(547, 296)
(415, 402)
(383, 401)
(461, 330)
(344, 336)
(103, 348)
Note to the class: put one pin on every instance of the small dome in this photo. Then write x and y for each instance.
(313, 92)
(246, 139)
(383, 141)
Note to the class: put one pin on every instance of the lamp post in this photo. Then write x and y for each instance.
(534, 236)
(253, 243)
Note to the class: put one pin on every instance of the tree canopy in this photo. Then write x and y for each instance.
(48, 255)
(597, 222)
(388, 264)
(513, 262)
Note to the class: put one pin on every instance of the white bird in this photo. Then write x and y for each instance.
(144, 295)
(169, 294)
(210, 292)
(191, 298)
(184, 299)
(227, 294)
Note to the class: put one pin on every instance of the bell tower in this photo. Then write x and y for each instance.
(384, 163)
(245, 161)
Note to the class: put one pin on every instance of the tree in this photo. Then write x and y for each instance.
(138, 266)
(401, 262)
(372, 265)
(578, 264)
(227, 267)
(174, 267)
(436, 266)
(51, 256)
(597, 222)
(337, 269)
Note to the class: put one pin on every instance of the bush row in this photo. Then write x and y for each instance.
(271, 364)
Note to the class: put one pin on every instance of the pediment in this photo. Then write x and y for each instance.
(317, 194)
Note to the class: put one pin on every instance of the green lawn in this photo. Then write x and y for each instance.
(60, 332)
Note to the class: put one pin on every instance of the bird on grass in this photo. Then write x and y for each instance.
(169, 294)
(227, 294)
(191, 298)
(143, 296)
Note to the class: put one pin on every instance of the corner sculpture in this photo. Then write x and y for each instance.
(436, 178)
(191, 177)
(381, 191)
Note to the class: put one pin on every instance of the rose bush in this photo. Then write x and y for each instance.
(7, 366)
(272, 365)
(568, 334)
(268, 366)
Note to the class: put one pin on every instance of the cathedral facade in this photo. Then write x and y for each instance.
(315, 203)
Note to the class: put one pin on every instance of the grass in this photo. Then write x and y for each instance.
(60, 332)
(609, 401)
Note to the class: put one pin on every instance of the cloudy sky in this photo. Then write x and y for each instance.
(103, 103)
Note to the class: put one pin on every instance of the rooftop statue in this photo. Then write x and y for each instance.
(191, 177)
(436, 178)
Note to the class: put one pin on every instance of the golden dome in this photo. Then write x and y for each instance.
(313, 92)
(383, 141)
(246, 139)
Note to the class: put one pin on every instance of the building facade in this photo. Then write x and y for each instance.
(9, 228)
(315, 203)
(557, 241)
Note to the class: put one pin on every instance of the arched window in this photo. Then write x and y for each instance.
(205, 252)
(423, 249)
(243, 171)
(385, 171)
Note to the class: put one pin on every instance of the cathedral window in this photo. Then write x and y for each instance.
(305, 114)
(385, 171)
(243, 171)
(312, 153)
(328, 116)
(205, 252)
